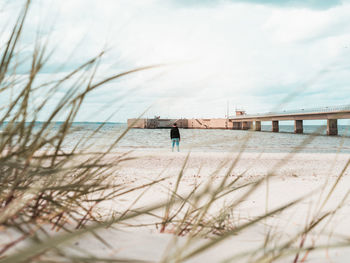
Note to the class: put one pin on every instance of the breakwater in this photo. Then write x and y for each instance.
(158, 123)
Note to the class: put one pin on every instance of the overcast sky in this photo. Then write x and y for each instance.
(256, 55)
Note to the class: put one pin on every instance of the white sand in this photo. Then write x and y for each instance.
(293, 178)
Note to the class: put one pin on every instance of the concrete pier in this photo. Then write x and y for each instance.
(243, 121)
(245, 125)
(332, 127)
(257, 125)
(331, 114)
(237, 125)
(275, 126)
(298, 126)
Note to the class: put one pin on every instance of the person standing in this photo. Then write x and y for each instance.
(175, 137)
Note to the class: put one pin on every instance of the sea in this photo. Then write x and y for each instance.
(313, 140)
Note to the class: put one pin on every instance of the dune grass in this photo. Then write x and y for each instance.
(41, 183)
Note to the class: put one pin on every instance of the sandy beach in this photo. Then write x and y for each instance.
(294, 176)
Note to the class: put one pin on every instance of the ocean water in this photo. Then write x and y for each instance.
(208, 140)
(211, 140)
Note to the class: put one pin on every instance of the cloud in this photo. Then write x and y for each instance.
(252, 54)
(312, 4)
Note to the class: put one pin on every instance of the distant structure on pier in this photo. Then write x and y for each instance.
(158, 123)
(243, 121)
(240, 112)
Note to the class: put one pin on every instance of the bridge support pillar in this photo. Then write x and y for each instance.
(245, 125)
(275, 126)
(237, 125)
(258, 125)
(250, 125)
(298, 126)
(332, 127)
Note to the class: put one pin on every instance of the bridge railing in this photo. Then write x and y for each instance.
(308, 110)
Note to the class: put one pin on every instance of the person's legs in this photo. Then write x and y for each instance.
(173, 144)
(177, 144)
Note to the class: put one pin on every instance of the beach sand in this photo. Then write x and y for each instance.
(292, 176)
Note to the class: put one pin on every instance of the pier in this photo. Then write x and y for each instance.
(330, 114)
(243, 121)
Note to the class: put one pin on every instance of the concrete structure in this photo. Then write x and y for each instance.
(257, 126)
(237, 125)
(332, 127)
(242, 121)
(298, 126)
(158, 123)
(246, 125)
(275, 126)
(331, 114)
(137, 123)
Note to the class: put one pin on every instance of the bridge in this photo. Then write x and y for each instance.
(244, 121)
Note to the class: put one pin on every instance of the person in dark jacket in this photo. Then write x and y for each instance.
(175, 137)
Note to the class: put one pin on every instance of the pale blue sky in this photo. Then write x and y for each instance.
(253, 54)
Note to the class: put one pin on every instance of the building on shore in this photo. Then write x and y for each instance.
(158, 123)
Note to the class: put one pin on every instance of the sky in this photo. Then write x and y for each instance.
(216, 55)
